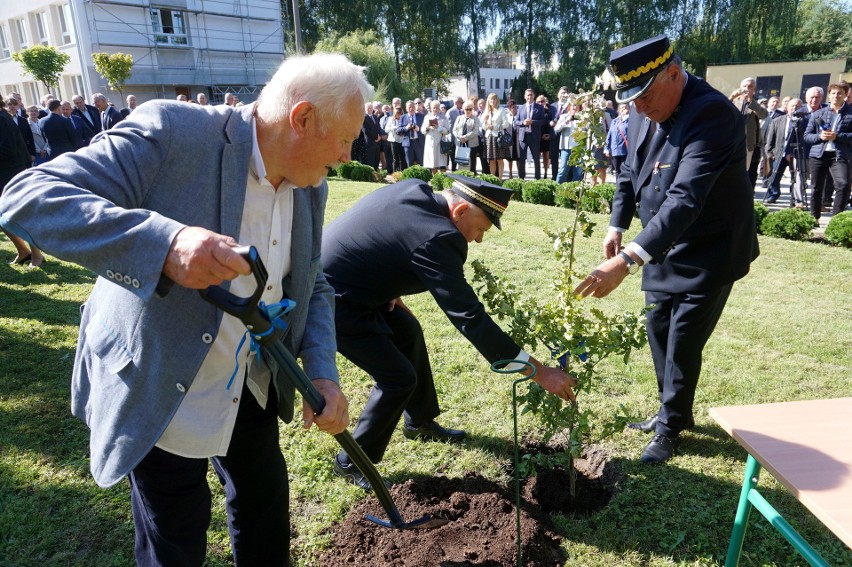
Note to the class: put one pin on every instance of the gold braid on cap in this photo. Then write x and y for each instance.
(650, 66)
(458, 186)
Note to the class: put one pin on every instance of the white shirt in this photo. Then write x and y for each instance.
(204, 422)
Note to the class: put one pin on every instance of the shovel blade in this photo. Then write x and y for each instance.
(427, 522)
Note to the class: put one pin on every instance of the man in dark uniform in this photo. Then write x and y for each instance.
(685, 176)
(400, 240)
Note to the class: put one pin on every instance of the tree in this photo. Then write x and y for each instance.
(44, 63)
(114, 67)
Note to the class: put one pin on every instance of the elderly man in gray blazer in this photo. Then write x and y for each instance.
(154, 376)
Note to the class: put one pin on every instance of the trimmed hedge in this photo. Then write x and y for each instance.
(792, 224)
(539, 192)
(516, 185)
(488, 178)
(761, 211)
(417, 172)
(440, 181)
(839, 229)
(356, 171)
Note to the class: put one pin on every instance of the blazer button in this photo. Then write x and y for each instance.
(653, 212)
(657, 188)
(135, 283)
(181, 388)
(128, 280)
(110, 274)
(638, 205)
(207, 338)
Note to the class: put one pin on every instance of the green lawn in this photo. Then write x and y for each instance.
(786, 334)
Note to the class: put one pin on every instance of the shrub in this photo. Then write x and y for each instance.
(441, 181)
(345, 169)
(466, 173)
(361, 172)
(539, 192)
(566, 194)
(792, 224)
(839, 229)
(488, 178)
(760, 212)
(396, 176)
(516, 185)
(417, 172)
(607, 193)
(380, 175)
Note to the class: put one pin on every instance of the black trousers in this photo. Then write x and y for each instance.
(678, 328)
(398, 154)
(399, 364)
(838, 169)
(171, 499)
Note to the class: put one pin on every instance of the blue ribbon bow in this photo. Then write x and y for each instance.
(274, 313)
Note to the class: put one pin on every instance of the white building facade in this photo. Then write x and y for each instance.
(178, 46)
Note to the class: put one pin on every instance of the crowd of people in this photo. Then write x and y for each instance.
(810, 140)
(499, 140)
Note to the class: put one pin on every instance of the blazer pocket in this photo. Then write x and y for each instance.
(108, 347)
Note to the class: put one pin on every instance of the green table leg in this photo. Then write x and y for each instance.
(735, 548)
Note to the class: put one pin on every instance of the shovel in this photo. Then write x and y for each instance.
(269, 336)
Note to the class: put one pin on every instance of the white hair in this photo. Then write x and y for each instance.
(98, 96)
(322, 79)
(816, 90)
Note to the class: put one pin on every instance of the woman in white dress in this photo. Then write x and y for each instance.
(434, 128)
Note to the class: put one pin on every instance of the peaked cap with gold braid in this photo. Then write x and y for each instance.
(492, 199)
(635, 66)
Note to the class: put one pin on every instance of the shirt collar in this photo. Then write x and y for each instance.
(256, 167)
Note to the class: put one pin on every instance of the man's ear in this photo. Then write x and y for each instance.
(301, 115)
(459, 209)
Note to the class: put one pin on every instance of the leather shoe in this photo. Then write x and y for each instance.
(350, 472)
(660, 449)
(647, 426)
(431, 431)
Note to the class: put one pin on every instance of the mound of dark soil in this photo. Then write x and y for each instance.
(482, 528)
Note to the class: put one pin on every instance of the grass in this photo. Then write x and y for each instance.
(785, 335)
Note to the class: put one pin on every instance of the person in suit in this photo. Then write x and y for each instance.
(23, 125)
(774, 110)
(22, 110)
(58, 130)
(686, 178)
(530, 118)
(829, 133)
(412, 138)
(90, 116)
(109, 115)
(399, 240)
(556, 111)
(785, 148)
(752, 113)
(453, 115)
(77, 122)
(15, 158)
(158, 229)
(372, 137)
(616, 138)
(131, 106)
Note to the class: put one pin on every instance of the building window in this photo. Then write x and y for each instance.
(64, 14)
(169, 26)
(481, 83)
(5, 52)
(41, 27)
(505, 83)
(23, 38)
(77, 84)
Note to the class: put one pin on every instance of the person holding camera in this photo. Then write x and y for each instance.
(785, 146)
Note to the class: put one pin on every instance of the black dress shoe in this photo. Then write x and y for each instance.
(433, 432)
(347, 470)
(660, 449)
(647, 426)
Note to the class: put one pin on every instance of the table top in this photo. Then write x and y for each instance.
(807, 447)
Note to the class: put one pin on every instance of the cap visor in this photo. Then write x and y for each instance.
(624, 96)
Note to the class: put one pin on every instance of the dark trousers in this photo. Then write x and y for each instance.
(399, 364)
(752, 167)
(838, 169)
(678, 328)
(414, 151)
(554, 155)
(483, 159)
(536, 156)
(171, 499)
(476, 154)
(398, 154)
(616, 163)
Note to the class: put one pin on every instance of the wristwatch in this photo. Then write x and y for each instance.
(632, 266)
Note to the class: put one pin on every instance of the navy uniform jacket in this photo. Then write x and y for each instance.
(399, 240)
(694, 198)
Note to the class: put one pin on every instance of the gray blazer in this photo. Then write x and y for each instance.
(114, 207)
